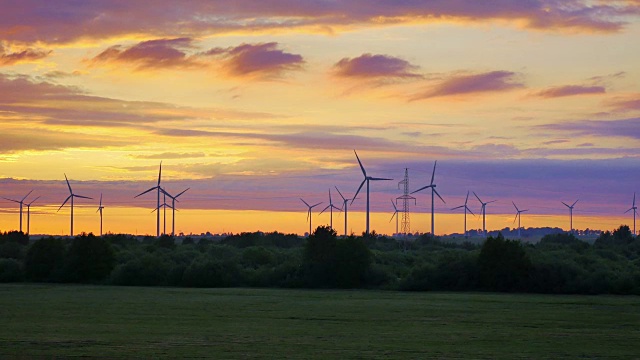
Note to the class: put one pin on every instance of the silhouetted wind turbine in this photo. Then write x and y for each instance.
(466, 208)
(518, 216)
(71, 196)
(344, 204)
(173, 207)
(483, 209)
(100, 207)
(157, 187)
(366, 179)
(309, 213)
(433, 191)
(570, 213)
(395, 213)
(21, 202)
(330, 207)
(29, 214)
(164, 206)
(633, 208)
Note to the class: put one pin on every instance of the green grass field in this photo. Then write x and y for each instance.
(125, 322)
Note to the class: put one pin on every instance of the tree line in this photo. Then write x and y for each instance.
(559, 263)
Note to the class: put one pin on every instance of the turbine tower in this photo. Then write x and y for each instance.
(433, 191)
(633, 208)
(173, 208)
(406, 198)
(164, 206)
(29, 214)
(71, 196)
(159, 189)
(366, 179)
(483, 209)
(466, 208)
(309, 212)
(330, 207)
(21, 202)
(100, 207)
(395, 213)
(518, 216)
(571, 213)
(345, 202)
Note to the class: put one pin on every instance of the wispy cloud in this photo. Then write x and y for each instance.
(570, 90)
(630, 103)
(170, 155)
(31, 21)
(455, 85)
(376, 67)
(263, 60)
(26, 55)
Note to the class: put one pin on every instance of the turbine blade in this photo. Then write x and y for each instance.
(343, 199)
(314, 205)
(516, 218)
(304, 202)
(67, 180)
(65, 201)
(183, 191)
(308, 214)
(629, 210)
(142, 193)
(357, 192)
(394, 205)
(434, 190)
(32, 201)
(100, 200)
(160, 173)
(422, 188)
(458, 207)
(634, 199)
(359, 162)
(433, 174)
(565, 204)
(27, 195)
(524, 210)
(330, 200)
(394, 214)
(469, 210)
(376, 179)
(467, 199)
(15, 201)
(514, 205)
(492, 201)
(574, 204)
(474, 193)
(84, 197)
(328, 206)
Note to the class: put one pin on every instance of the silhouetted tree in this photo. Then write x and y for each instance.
(45, 260)
(89, 259)
(503, 265)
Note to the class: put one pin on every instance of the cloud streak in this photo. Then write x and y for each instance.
(64, 21)
(263, 60)
(628, 128)
(152, 54)
(570, 90)
(494, 81)
(368, 66)
(26, 55)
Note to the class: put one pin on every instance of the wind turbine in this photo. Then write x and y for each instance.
(366, 179)
(164, 206)
(309, 213)
(157, 187)
(330, 207)
(29, 213)
(518, 216)
(483, 209)
(21, 202)
(345, 202)
(173, 207)
(395, 213)
(433, 191)
(71, 196)
(100, 207)
(571, 212)
(466, 208)
(635, 211)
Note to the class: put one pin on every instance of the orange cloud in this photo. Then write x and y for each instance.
(152, 54)
(27, 55)
(472, 84)
(375, 66)
(570, 90)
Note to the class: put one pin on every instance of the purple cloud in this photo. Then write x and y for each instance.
(31, 21)
(570, 90)
(262, 60)
(152, 54)
(27, 55)
(629, 128)
(375, 66)
(472, 84)
(628, 104)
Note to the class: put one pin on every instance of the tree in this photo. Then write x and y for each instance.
(45, 260)
(89, 259)
(503, 265)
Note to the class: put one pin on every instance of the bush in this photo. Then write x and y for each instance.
(503, 265)
(147, 270)
(210, 273)
(89, 259)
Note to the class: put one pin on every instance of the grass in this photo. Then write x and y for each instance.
(126, 322)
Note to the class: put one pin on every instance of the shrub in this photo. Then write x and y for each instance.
(10, 271)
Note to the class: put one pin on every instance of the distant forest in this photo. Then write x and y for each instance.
(558, 264)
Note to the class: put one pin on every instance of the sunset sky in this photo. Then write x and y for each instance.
(254, 104)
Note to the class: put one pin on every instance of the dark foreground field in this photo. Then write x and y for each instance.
(108, 322)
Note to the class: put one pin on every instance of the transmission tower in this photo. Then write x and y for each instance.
(406, 198)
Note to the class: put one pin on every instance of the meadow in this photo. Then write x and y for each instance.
(47, 320)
